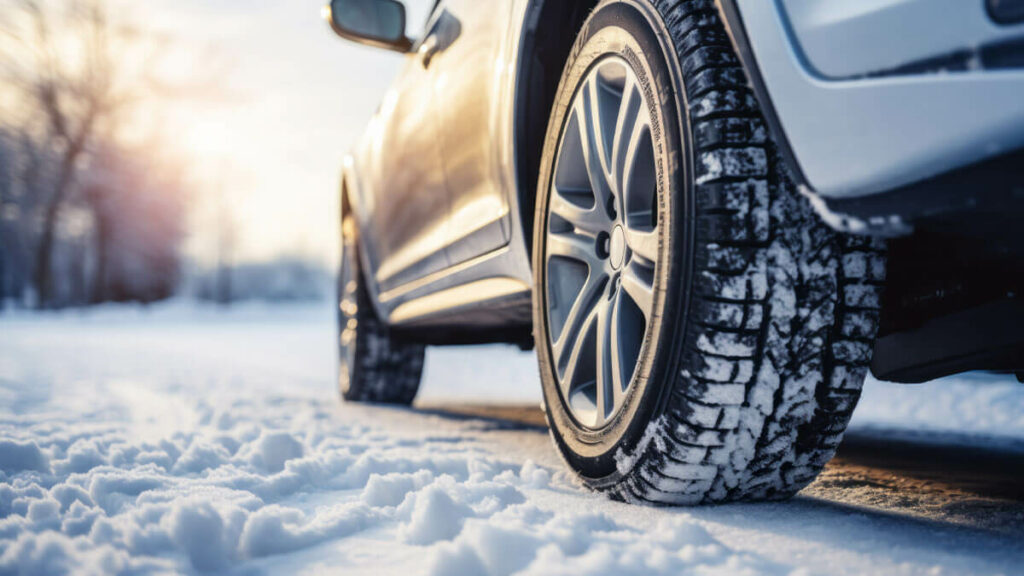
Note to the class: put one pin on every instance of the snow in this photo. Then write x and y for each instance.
(184, 439)
(18, 456)
(624, 461)
(741, 162)
(969, 409)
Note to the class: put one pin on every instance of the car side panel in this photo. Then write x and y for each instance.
(473, 103)
(405, 202)
(497, 275)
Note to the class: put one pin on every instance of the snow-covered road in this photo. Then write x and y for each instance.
(192, 440)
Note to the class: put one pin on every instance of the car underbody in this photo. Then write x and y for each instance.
(954, 297)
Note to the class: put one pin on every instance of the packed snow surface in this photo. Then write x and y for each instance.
(190, 440)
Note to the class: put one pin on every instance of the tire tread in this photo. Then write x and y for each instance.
(783, 309)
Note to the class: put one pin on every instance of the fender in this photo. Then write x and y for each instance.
(352, 196)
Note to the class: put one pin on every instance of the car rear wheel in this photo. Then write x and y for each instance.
(373, 364)
(702, 336)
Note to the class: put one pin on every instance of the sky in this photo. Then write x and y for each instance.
(291, 99)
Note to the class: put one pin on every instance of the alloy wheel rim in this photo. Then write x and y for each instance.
(601, 243)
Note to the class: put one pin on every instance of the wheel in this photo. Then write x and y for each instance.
(373, 365)
(702, 336)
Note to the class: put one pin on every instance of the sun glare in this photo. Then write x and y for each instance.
(207, 139)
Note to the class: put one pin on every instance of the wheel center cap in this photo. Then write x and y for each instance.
(617, 248)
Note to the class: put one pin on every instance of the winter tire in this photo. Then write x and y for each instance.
(702, 336)
(373, 364)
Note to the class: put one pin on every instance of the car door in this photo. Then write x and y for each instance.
(467, 37)
(410, 214)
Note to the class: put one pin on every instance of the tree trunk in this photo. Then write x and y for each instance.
(44, 252)
(5, 248)
(224, 290)
(3, 274)
(99, 281)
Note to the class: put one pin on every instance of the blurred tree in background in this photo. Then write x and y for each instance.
(84, 216)
(137, 206)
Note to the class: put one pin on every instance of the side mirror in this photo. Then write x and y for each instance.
(378, 23)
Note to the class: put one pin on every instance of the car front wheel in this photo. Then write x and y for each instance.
(702, 336)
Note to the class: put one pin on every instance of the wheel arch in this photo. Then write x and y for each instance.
(549, 32)
(347, 188)
(350, 202)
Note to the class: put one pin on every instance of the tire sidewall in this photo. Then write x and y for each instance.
(633, 30)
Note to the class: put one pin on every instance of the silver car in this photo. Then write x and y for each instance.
(690, 208)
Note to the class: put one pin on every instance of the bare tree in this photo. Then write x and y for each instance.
(80, 75)
(137, 198)
(6, 198)
(70, 82)
(227, 236)
(25, 171)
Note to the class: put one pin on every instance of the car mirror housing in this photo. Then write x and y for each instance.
(377, 23)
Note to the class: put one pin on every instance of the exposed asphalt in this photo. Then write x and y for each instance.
(953, 484)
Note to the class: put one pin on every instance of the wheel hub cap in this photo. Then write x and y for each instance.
(601, 248)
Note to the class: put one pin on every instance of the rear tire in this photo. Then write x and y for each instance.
(761, 320)
(373, 364)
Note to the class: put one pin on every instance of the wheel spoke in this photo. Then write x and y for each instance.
(633, 138)
(606, 380)
(591, 220)
(622, 371)
(572, 351)
(595, 121)
(625, 134)
(573, 246)
(643, 243)
(578, 319)
(613, 372)
(638, 288)
(593, 150)
(639, 178)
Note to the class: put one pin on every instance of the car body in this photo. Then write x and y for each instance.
(453, 263)
(900, 118)
(891, 80)
(710, 217)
